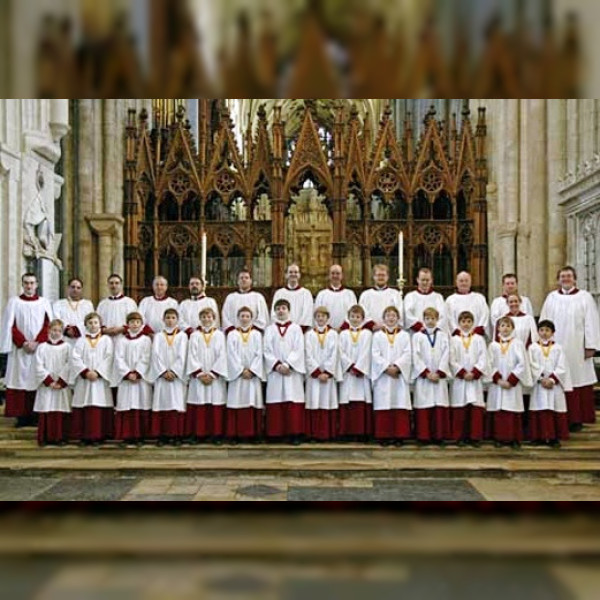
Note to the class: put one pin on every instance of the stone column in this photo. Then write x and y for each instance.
(572, 135)
(556, 118)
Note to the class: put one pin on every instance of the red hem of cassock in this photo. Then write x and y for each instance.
(588, 403)
(505, 426)
(205, 420)
(92, 423)
(432, 423)
(548, 425)
(285, 419)
(392, 424)
(244, 423)
(132, 424)
(53, 427)
(167, 423)
(19, 403)
(356, 418)
(467, 423)
(321, 424)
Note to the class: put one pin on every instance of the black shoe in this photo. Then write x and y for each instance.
(515, 445)
(160, 442)
(475, 443)
(177, 442)
(498, 444)
(554, 443)
(575, 427)
(399, 443)
(296, 441)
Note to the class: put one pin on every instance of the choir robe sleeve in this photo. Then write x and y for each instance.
(235, 366)
(41, 369)
(143, 365)
(158, 362)
(444, 362)
(331, 362)
(306, 317)
(105, 365)
(256, 348)
(261, 320)
(219, 354)
(295, 359)
(311, 344)
(194, 362)
(78, 365)
(120, 366)
(533, 333)
(591, 332)
(521, 369)
(379, 357)
(536, 363)
(560, 370)
(419, 366)
(404, 359)
(484, 318)
(228, 317)
(270, 355)
(181, 347)
(8, 318)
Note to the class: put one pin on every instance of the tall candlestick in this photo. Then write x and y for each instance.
(401, 256)
(203, 259)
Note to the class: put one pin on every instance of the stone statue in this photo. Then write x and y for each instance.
(39, 241)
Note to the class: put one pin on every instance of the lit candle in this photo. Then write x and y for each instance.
(203, 259)
(401, 256)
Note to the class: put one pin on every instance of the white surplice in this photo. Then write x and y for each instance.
(72, 313)
(499, 308)
(337, 302)
(552, 366)
(301, 305)
(416, 302)
(52, 360)
(430, 354)
(114, 310)
(153, 310)
(255, 301)
(132, 355)
(376, 300)
(189, 311)
(473, 302)
(245, 393)
(468, 352)
(355, 351)
(207, 355)
(322, 356)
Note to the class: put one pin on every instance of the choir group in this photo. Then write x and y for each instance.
(383, 368)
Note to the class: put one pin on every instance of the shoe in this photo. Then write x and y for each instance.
(475, 443)
(399, 443)
(498, 444)
(575, 427)
(515, 445)
(554, 444)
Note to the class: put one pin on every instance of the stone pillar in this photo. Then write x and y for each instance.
(572, 135)
(556, 118)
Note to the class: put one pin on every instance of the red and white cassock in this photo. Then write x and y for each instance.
(473, 302)
(132, 356)
(153, 309)
(92, 353)
(355, 362)
(499, 308)
(389, 349)
(207, 356)
(322, 356)
(254, 301)
(375, 301)
(114, 310)
(468, 354)
(52, 360)
(301, 305)
(508, 361)
(245, 351)
(169, 353)
(575, 316)
(337, 301)
(548, 361)
(25, 319)
(430, 354)
(284, 344)
(189, 312)
(72, 313)
(416, 302)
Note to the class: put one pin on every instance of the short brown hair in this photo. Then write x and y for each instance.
(357, 308)
(207, 310)
(322, 310)
(391, 308)
(505, 320)
(170, 311)
(466, 314)
(245, 309)
(430, 311)
(92, 315)
(134, 315)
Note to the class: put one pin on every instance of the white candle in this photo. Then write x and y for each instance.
(203, 259)
(401, 255)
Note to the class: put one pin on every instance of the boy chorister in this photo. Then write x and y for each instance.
(322, 374)
(510, 373)
(355, 397)
(91, 373)
(548, 421)
(207, 370)
(284, 364)
(431, 369)
(130, 375)
(468, 363)
(53, 397)
(167, 371)
(390, 373)
(245, 371)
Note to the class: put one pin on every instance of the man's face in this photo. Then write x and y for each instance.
(424, 281)
(335, 276)
(195, 286)
(160, 288)
(509, 286)
(75, 290)
(115, 286)
(380, 277)
(293, 275)
(244, 281)
(30, 286)
(566, 279)
(463, 283)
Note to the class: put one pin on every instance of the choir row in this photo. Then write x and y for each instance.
(320, 385)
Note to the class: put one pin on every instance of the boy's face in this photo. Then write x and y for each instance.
(321, 319)
(355, 319)
(207, 319)
(466, 324)
(170, 320)
(390, 318)
(245, 319)
(56, 332)
(93, 325)
(545, 333)
(505, 328)
(430, 321)
(134, 324)
(282, 312)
